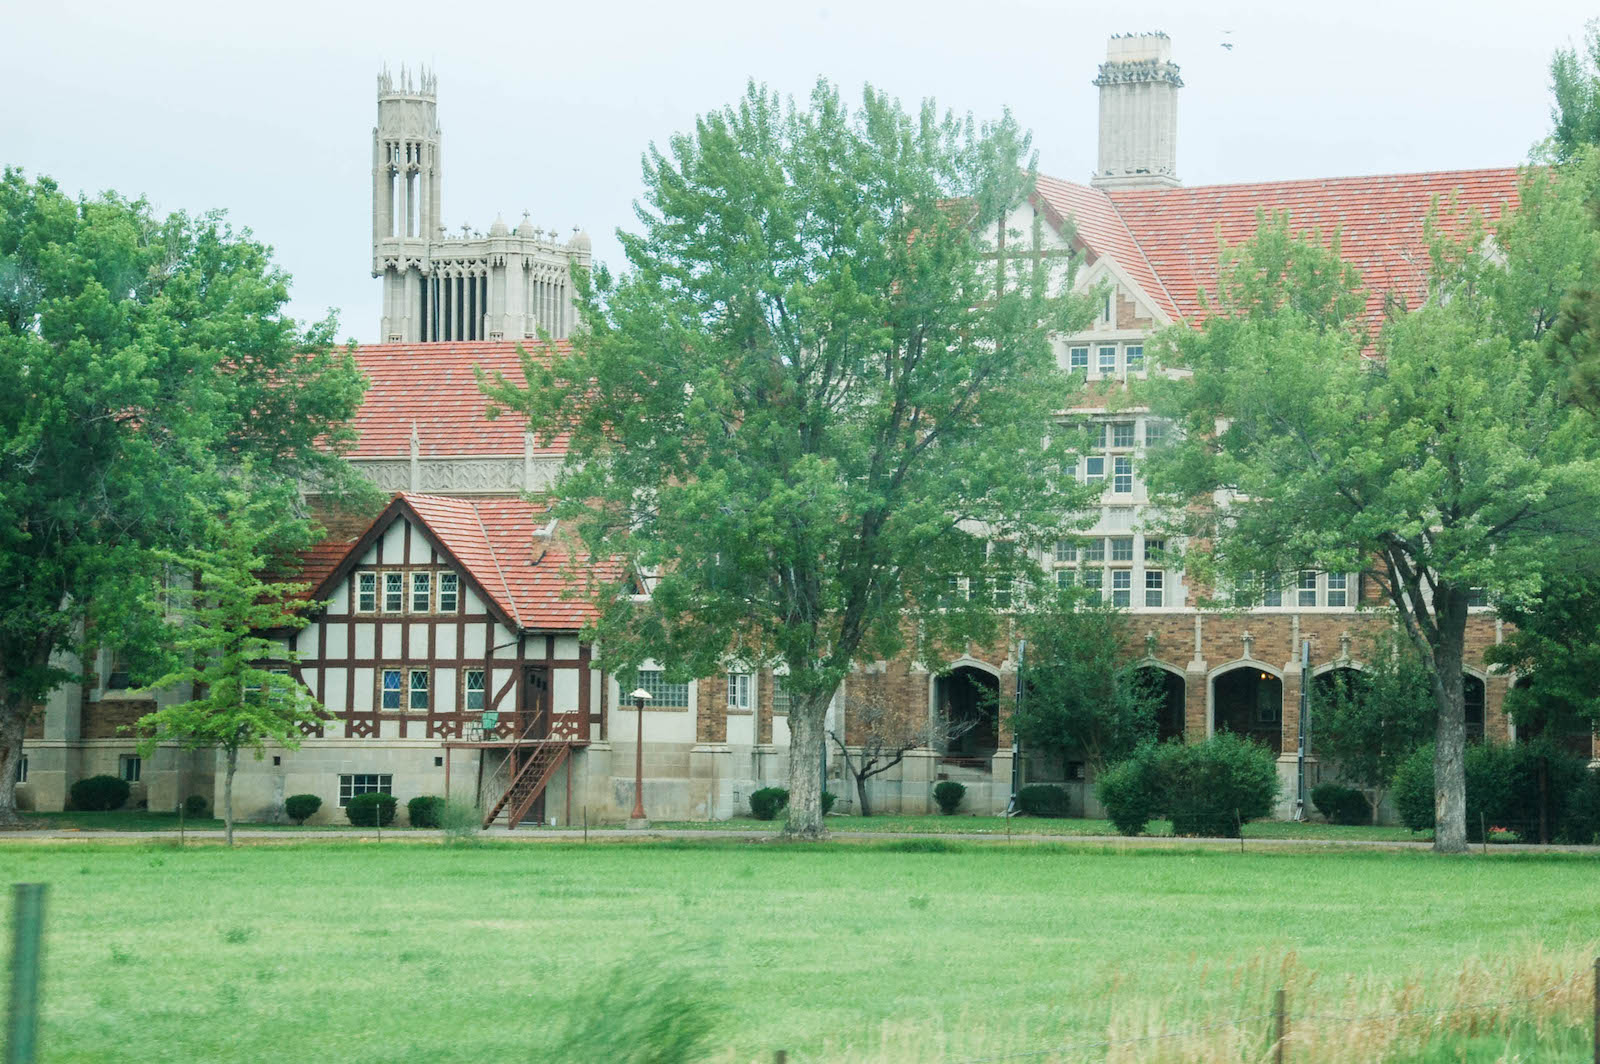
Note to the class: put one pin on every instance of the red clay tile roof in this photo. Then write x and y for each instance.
(1102, 229)
(433, 387)
(525, 575)
(1380, 221)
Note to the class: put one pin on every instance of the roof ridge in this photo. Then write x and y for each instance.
(1280, 181)
(1160, 281)
(494, 556)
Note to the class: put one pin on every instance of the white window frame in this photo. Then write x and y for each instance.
(1066, 550)
(1124, 434)
(1301, 589)
(1155, 432)
(1078, 359)
(367, 597)
(1122, 587)
(413, 689)
(399, 690)
(394, 583)
(1066, 578)
(1342, 589)
(1090, 464)
(1093, 579)
(421, 587)
(739, 691)
(1107, 369)
(468, 690)
(1094, 550)
(354, 783)
(1121, 549)
(130, 767)
(1155, 591)
(1122, 475)
(781, 699)
(449, 591)
(1134, 363)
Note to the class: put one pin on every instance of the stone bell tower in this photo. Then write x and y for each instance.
(406, 175)
(1139, 86)
(503, 285)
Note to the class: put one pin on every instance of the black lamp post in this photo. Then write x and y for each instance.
(637, 819)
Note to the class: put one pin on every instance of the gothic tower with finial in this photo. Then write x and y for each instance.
(1139, 86)
(436, 287)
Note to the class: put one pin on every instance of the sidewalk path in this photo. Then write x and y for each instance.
(296, 837)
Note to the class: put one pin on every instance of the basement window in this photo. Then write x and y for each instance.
(22, 769)
(129, 766)
(364, 783)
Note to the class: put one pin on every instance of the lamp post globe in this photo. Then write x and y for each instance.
(637, 819)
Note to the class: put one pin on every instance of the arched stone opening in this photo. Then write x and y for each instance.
(1248, 701)
(967, 695)
(1168, 689)
(1342, 683)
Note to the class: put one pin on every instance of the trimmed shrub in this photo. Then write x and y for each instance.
(301, 807)
(1130, 791)
(1341, 804)
(195, 807)
(100, 794)
(768, 802)
(828, 798)
(1503, 791)
(371, 810)
(1411, 790)
(424, 810)
(1208, 788)
(1043, 799)
(948, 793)
(1211, 788)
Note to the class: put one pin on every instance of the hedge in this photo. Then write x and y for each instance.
(948, 793)
(371, 810)
(100, 794)
(1044, 799)
(424, 810)
(301, 807)
(1208, 788)
(1341, 804)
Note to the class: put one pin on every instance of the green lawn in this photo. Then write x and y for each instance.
(1027, 825)
(867, 952)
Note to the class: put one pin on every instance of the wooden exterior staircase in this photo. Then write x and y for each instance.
(529, 765)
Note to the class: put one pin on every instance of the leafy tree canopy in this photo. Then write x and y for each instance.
(1451, 459)
(1368, 722)
(1084, 693)
(142, 361)
(821, 387)
(233, 618)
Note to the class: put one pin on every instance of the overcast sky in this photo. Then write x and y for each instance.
(267, 109)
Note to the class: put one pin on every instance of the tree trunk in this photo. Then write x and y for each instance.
(806, 735)
(861, 794)
(13, 722)
(227, 795)
(1450, 738)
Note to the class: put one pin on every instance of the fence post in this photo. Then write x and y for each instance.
(1597, 1010)
(1281, 1025)
(22, 1013)
(780, 1056)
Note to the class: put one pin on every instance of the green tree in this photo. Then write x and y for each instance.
(140, 359)
(244, 693)
(1367, 723)
(1085, 695)
(1575, 84)
(1451, 461)
(822, 386)
(1554, 638)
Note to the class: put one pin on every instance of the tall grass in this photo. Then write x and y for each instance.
(1526, 1009)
